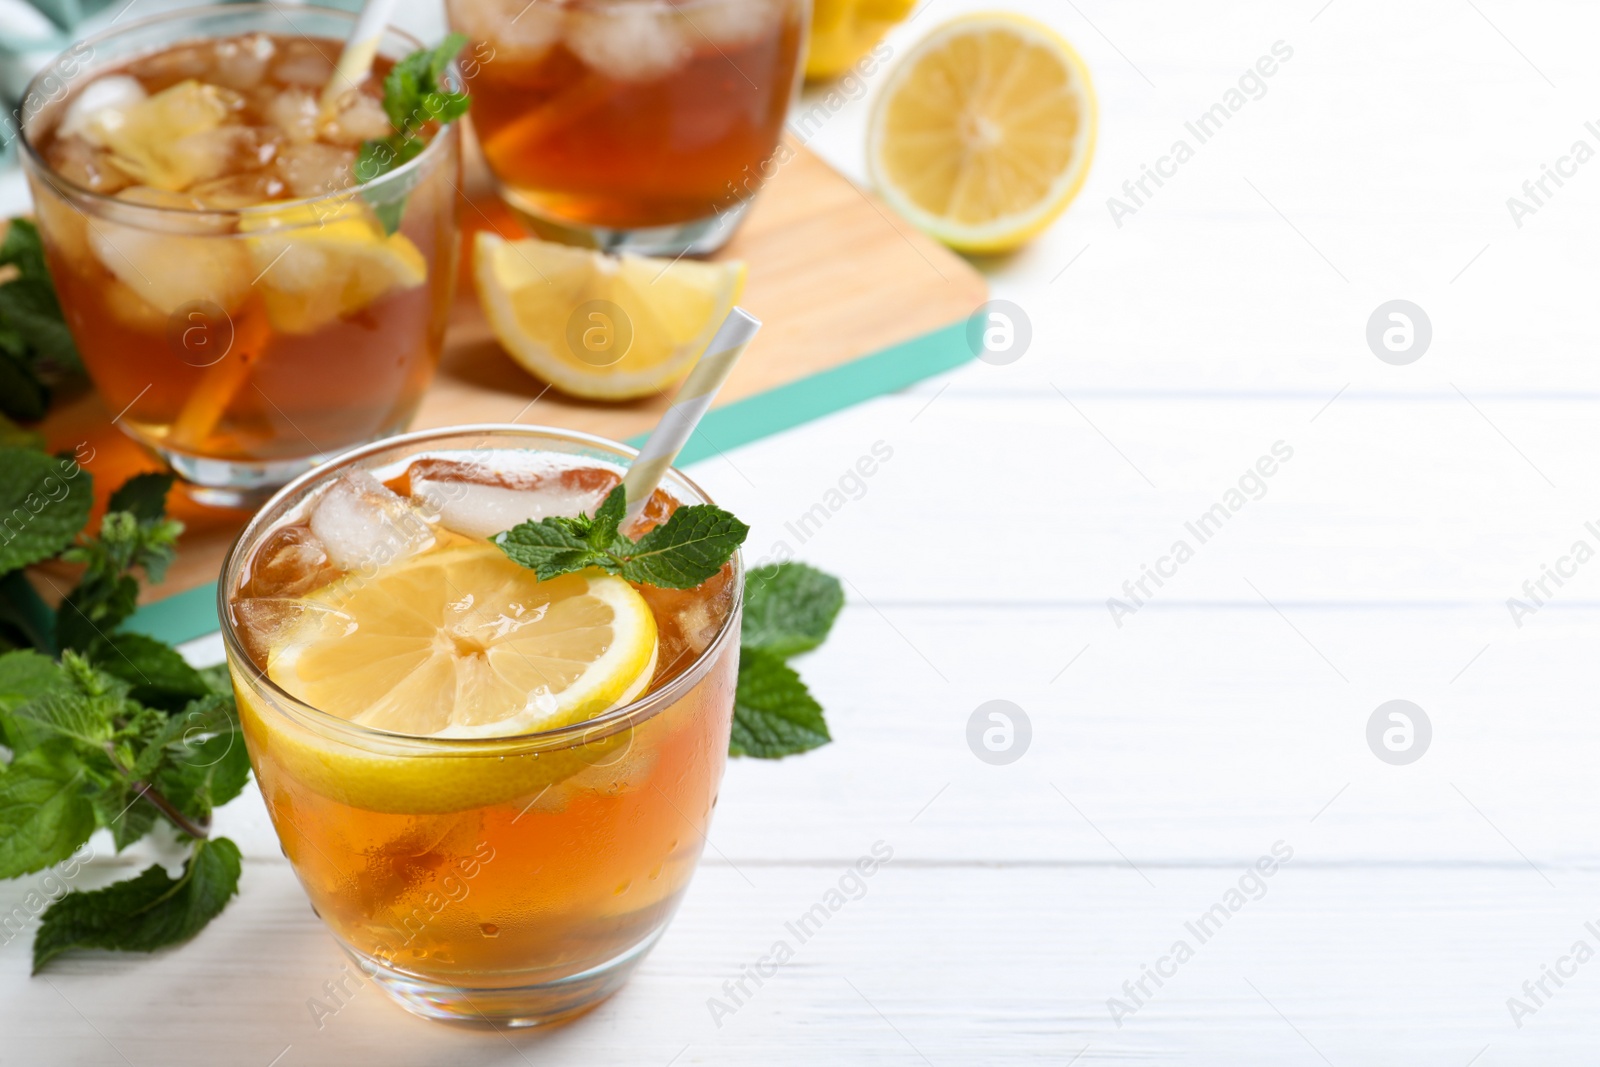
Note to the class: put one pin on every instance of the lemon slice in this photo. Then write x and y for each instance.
(317, 263)
(463, 642)
(459, 642)
(598, 326)
(983, 134)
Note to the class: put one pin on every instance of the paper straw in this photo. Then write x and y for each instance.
(694, 400)
(360, 49)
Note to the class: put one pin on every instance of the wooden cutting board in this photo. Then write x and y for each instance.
(834, 275)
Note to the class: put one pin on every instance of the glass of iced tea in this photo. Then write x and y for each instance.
(243, 304)
(645, 125)
(493, 789)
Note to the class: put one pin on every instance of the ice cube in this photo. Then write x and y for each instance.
(264, 623)
(144, 138)
(132, 310)
(364, 525)
(169, 270)
(290, 562)
(240, 190)
(628, 42)
(479, 501)
(735, 24)
(63, 226)
(82, 164)
(294, 111)
(303, 63)
(115, 91)
(208, 154)
(360, 118)
(172, 65)
(520, 30)
(240, 62)
(687, 620)
(314, 169)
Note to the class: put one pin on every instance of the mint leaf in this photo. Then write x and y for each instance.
(144, 496)
(22, 395)
(209, 774)
(71, 716)
(218, 679)
(120, 808)
(602, 533)
(159, 675)
(33, 331)
(413, 96)
(789, 608)
(145, 913)
(549, 548)
(41, 507)
(690, 547)
(686, 550)
(28, 307)
(414, 93)
(98, 605)
(24, 249)
(26, 675)
(44, 815)
(774, 714)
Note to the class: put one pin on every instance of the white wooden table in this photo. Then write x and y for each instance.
(1227, 715)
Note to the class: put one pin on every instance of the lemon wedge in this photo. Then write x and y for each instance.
(984, 132)
(317, 262)
(843, 31)
(598, 326)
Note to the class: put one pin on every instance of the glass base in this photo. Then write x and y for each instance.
(535, 1004)
(696, 238)
(227, 483)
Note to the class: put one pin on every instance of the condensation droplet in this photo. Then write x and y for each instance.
(489, 929)
(624, 887)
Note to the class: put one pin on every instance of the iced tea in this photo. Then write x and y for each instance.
(235, 293)
(645, 123)
(485, 842)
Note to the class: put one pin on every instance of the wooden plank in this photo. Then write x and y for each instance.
(941, 965)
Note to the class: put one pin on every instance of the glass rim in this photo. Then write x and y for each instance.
(57, 181)
(609, 722)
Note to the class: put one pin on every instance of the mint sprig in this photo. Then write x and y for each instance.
(105, 728)
(788, 609)
(681, 553)
(414, 95)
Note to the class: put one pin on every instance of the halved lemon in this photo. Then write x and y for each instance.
(317, 262)
(599, 326)
(454, 643)
(984, 132)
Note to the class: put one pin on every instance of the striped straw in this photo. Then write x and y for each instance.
(694, 400)
(360, 49)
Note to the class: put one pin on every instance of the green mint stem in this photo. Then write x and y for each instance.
(165, 807)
